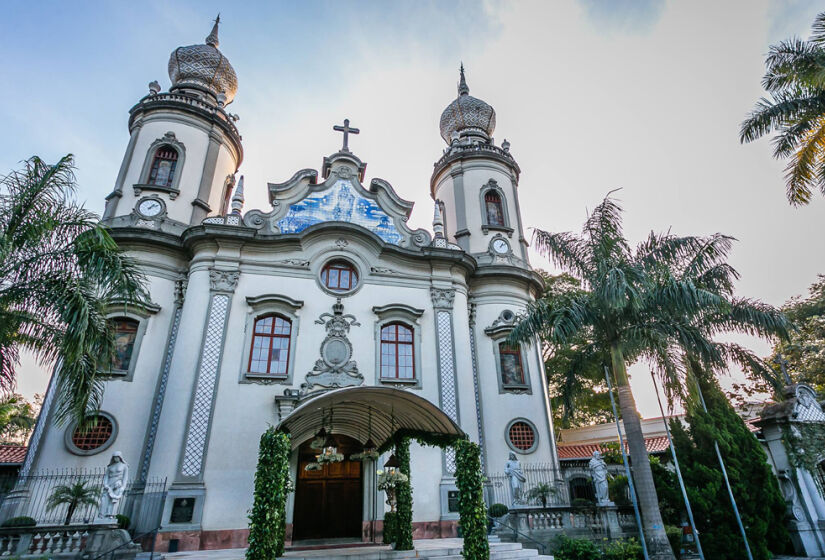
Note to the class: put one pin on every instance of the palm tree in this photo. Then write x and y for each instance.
(81, 493)
(658, 302)
(60, 272)
(795, 107)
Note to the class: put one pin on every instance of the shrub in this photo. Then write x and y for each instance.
(617, 490)
(390, 527)
(122, 521)
(582, 502)
(21, 521)
(623, 549)
(674, 536)
(498, 510)
(565, 548)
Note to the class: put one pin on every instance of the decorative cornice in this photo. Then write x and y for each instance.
(223, 280)
(384, 310)
(269, 299)
(442, 297)
(505, 323)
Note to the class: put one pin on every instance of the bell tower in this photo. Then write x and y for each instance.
(475, 182)
(184, 146)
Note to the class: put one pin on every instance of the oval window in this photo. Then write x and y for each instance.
(339, 276)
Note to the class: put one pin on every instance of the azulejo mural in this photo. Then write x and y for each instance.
(341, 203)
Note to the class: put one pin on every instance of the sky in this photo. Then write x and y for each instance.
(594, 95)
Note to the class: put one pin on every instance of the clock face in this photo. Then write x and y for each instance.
(150, 207)
(500, 246)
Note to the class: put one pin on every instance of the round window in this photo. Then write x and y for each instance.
(95, 436)
(521, 436)
(339, 276)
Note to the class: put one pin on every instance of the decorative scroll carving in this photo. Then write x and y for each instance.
(335, 368)
(442, 297)
(223, 280)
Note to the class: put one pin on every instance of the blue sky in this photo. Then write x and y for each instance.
(594, 95)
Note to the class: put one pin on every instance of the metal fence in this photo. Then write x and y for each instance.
(498, 489)
(29, 496)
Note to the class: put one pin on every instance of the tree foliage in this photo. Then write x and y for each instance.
(81, 493)
(60, 272)
(267, 519)
(663, 300)
(795, 109)
(404, 499)
(805, 351)
(17, 418)
(755, 488)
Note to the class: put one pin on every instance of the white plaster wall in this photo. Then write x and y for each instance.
(225, 166)
(194, 138)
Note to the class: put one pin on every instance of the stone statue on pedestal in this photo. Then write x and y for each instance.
(513, 471)
(598, 472)
(114, 486)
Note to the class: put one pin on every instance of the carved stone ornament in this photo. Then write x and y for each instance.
(223, 280)
(335, 368)
(341, 243)
(807, 407)
(442, 298)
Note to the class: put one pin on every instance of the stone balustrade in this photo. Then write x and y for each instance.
(70, 542)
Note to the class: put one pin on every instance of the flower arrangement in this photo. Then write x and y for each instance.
(329, 455)
(390, 479)
(367, 455)
(313, 467)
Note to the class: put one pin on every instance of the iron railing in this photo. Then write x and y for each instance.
(499, 491)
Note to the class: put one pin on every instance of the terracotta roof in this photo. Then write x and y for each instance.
(12, 454)
(572, 451)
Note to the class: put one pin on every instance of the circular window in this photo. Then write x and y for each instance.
(339, 276)
(97, 435)
(521, 436)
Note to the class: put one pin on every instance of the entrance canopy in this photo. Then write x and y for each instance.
(352, 407)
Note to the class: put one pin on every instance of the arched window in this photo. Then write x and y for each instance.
(581, 489)
(162, 172)
(397, 361)
(270, 346)
(339, 276)
(125, 331)
(512, 372)
(494, 209)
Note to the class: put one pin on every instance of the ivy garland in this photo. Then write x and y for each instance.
(471, 506)
(404, 500)
(802, 441)
(267, 519)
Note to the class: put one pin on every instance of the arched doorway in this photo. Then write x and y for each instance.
(329, 502)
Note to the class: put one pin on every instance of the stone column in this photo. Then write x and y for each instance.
(200, 206)
(222, 286)
(443, 307)
(160, 392)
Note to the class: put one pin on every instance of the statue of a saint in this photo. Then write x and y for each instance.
(513, 471)
(114, 486)
(598, 471)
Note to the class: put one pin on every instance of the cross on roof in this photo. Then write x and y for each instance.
(347, 131)
(783, 363)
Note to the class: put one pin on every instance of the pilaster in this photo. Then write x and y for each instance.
(113, 198)
(200, 206)
(442, 299)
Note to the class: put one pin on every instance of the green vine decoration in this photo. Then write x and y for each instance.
(802, 446)
(471, 505)
(404, 500)
(267, 519)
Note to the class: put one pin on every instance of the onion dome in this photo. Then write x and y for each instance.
(467, 115)
(203, 67)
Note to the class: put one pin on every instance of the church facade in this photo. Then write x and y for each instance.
(254, 312)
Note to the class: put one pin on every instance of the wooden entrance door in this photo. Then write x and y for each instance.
(329, 502)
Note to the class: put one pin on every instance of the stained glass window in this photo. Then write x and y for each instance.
(495, 212)
(339, 276)
(270, 346)
(125, 336)
(397, 361)
(510, 362)
(162, 172)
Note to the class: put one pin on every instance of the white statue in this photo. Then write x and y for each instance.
(114, 486)
(598, 471)
(513, 471)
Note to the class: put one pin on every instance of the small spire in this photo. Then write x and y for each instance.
(212, 38)
(237, 198)
(438, 221)
(463, 88)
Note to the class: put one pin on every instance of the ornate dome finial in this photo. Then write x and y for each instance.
(463, 88)
(212, 38)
